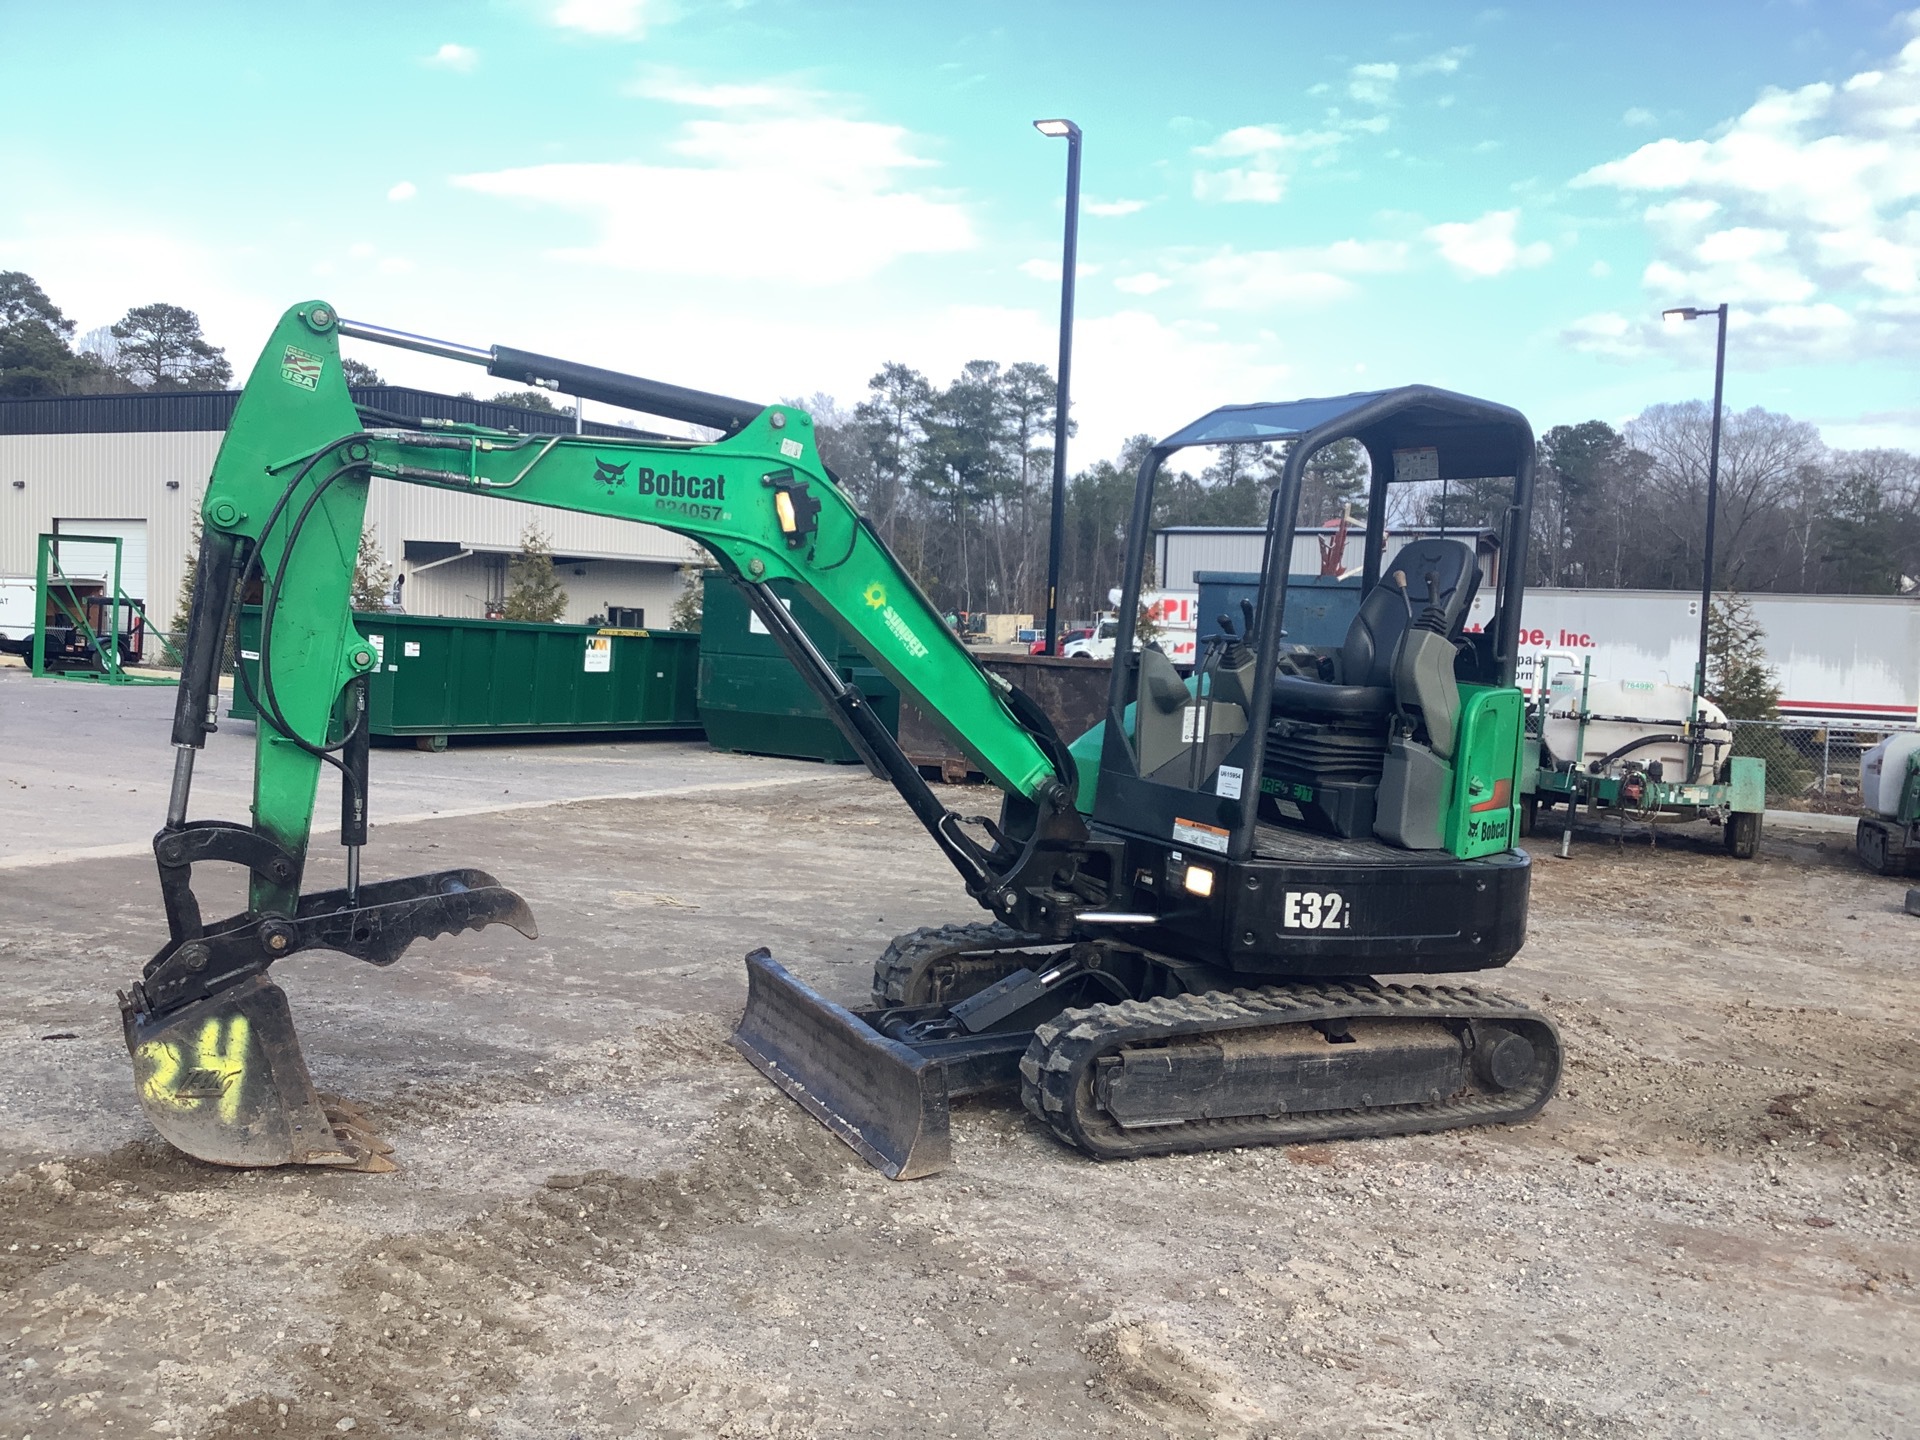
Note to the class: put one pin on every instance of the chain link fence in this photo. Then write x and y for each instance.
(1811, 765)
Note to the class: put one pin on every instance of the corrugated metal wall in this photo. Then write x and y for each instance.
(463, 587)
(124, 476)
(108, 477)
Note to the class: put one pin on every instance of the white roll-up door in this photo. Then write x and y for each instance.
(95, 562)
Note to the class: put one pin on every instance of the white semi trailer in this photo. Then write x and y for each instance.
(1835, 657)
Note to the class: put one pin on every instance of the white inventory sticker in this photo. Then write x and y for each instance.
(599, 654)
(1204, 837)
(1227, 787)
(412, 649)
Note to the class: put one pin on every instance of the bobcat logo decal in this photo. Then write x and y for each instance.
(610, 475)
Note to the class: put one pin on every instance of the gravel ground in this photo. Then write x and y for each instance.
(605, 1224)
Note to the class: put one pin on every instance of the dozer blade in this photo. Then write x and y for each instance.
(223, 1080)
(880, 1096)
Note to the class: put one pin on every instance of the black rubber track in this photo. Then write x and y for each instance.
(944, 963)
(1056, 1073)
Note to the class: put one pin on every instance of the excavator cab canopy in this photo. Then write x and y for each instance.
(1475, 460)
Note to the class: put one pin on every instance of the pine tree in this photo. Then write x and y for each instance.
(372, 576)
(1739, 679)
(689, 606)
(183, 603)
(534, 591)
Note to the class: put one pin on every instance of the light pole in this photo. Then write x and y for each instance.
(1070, 132)
(1694, 312)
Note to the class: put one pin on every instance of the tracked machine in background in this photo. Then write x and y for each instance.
(1189, 903)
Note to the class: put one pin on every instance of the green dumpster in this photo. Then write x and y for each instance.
(753, 701)
(440, 676)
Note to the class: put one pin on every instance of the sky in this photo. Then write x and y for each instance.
(770, 198)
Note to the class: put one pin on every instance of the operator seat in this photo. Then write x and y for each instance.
(1327, 738)
(1435, 572)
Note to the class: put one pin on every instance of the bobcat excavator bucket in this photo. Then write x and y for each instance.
(224, 1081)
(217, 1066)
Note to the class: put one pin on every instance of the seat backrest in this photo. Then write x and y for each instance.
(1366, 658)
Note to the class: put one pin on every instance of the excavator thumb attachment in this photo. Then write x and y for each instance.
(223, 1080)
(886, 1100)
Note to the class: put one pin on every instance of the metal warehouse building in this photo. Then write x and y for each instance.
(136, 466)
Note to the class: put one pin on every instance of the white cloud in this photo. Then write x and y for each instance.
(454, 57)
(1444, 63)
(1639, 115)
(1803, 213)
(1600, 270)
(405, 190)
(676, 88)
(1302, 276)
(625, 19)
(1113, 208)
(1145, 283)
(1487, 246)
(1373, 84)
(834, 187)
(1266, 158)
(1606, 333)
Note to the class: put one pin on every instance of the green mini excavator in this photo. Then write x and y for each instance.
(1189, 904)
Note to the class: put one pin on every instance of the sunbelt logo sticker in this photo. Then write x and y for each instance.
(876, 598)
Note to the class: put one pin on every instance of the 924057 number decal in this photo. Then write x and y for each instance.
(1316, 910)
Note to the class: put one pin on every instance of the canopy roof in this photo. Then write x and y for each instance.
(1473, 437)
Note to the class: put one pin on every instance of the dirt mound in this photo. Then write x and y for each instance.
(1142, 1371)
(405, 1303)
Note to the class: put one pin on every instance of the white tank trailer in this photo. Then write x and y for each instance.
(1637, 750)
(1888, 839)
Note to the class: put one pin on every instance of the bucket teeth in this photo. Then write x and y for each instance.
(355, 1134)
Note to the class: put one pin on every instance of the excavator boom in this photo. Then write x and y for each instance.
(217, 1067)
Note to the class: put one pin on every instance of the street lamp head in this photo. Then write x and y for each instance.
(1685, 312)
(1058, 129)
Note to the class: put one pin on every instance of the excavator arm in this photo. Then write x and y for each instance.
(216, 1063)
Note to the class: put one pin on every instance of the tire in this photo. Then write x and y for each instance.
(1742, 834)
(1529, 808)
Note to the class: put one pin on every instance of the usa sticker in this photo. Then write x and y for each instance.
(297, 367)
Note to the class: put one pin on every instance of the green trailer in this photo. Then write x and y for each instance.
(751, 698)
(438, 676)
